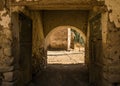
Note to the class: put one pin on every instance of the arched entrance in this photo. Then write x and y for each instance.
(65, 45)
(48, 21)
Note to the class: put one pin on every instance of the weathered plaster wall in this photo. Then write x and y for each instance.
(39, 52)
(111, 73)
(110, 66)
(58, 39)
(53, 19)
(114, 11)
(111, 59)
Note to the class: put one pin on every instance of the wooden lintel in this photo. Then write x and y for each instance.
(56, 4)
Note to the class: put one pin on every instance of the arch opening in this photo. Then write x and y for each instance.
(65, 45)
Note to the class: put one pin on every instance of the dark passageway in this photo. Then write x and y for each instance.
(25, 25)
(62, 75)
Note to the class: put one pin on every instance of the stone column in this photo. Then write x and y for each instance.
(69, 39)
(7, 72)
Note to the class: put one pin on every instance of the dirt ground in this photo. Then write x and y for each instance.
(62, 75)
(65, 57)
(64, 69)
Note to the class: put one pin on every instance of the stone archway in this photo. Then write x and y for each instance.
(66, 26)
(108, 69)
(56, 43)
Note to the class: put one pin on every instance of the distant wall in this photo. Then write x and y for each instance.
(58, 40)
(53, 19)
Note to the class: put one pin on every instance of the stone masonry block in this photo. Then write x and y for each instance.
(8, 83)
(7, 51)
(9, 76)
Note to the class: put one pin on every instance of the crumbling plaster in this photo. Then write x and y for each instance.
(114, 11)
(5, 19)
(5, 37)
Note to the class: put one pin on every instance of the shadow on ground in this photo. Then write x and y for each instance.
(62, 75)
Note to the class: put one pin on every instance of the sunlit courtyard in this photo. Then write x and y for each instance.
(66, 57)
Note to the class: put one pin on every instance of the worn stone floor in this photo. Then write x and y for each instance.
(62, 75)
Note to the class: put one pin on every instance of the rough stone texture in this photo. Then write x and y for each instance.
(112, 63)
(38, 50)
(5, 19)
(108, 73)
(5, 37)
(10, 76)
(8, 84)
(6, 57)
(111, 60)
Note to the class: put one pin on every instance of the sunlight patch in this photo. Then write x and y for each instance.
(65, 57)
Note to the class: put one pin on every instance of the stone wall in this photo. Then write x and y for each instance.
(111, 60)
(10, 75)
(58, 40)
(38, 60)
(111, 74)
(6, 57)
(107, 72)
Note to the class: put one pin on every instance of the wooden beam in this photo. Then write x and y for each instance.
(58, 4)
(61, 7)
